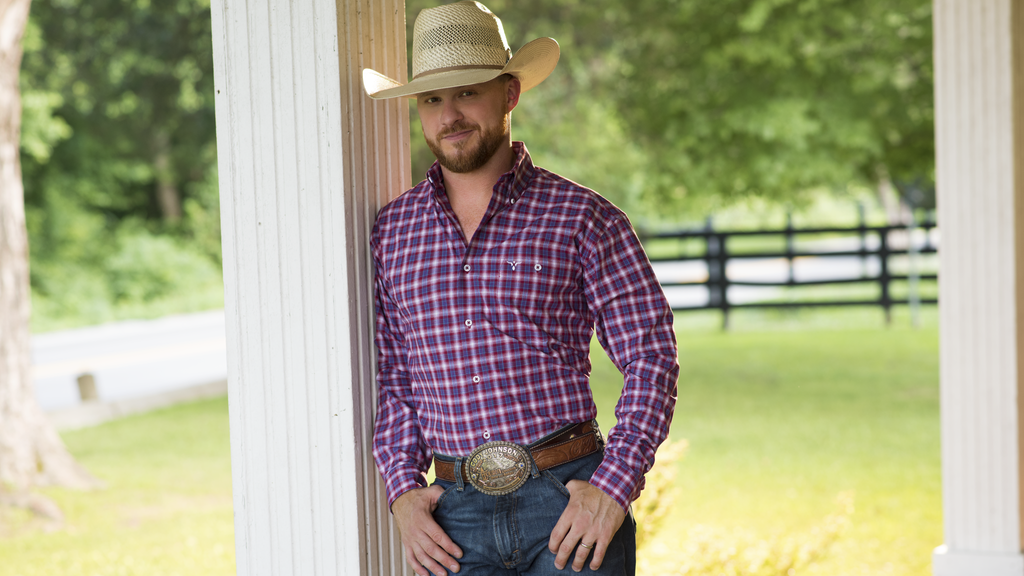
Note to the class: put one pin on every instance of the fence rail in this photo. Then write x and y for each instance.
(888, 241)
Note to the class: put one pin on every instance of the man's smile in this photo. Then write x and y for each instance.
(457, 136)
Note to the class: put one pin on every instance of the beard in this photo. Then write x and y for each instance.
(466, 158)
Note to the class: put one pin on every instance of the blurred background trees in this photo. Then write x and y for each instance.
(776, 97)
(671, 108)
(119, 159)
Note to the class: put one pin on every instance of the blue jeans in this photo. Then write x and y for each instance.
(508, 535)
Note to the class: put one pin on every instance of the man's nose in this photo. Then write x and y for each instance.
(450, 113)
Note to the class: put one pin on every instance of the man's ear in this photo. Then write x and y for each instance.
(512, 91)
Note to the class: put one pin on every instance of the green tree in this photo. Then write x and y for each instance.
(773, 97)
(119, 155)
(135, 86)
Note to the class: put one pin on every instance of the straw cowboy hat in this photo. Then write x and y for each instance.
(461, 44)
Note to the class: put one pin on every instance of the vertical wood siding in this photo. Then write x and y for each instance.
(977, 186)
(306, 160)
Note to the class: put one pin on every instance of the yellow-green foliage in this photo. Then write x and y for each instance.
(659, 496)
(670, 548)
(713, 550)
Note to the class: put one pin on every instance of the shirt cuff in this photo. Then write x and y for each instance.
(401, 480)
(618, 480)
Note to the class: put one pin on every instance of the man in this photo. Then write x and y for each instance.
(491, 277)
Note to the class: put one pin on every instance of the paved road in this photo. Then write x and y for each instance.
(130, 359)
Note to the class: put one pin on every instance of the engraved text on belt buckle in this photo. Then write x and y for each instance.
(498, 468)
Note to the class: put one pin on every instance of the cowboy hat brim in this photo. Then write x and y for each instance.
(531, 65)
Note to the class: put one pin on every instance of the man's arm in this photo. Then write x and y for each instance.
(633, 323)
(400, 452)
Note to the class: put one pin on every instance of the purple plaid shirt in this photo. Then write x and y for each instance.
(491, 340)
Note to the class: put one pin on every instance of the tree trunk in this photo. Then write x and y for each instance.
(896, 212)
(31, 452)
(167, 195)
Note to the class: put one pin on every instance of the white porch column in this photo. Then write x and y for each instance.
(305, 162)
(979, 100)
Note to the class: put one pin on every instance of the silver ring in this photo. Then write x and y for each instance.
(585, 546)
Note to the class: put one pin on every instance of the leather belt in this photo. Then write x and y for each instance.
(568, 445)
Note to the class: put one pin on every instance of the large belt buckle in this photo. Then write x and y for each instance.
(498, 468)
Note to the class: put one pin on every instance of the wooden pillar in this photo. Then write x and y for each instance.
(305, 160)
(979, 100)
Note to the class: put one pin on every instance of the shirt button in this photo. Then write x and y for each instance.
(512, 201)
(469, 323)
(466, 267)
(536, 267)
(476, 379)
(487, 434)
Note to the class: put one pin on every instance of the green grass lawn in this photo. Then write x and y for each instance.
(785, 415)
(166, 509)
(782, 423)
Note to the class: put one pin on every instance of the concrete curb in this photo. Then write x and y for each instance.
(93, 413)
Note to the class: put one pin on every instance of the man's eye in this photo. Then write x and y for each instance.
(467, 93)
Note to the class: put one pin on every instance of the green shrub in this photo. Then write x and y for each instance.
(140, 274)
(147, 267)
(664, 549)
(712, 550)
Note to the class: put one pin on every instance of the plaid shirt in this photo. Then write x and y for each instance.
(491, 340)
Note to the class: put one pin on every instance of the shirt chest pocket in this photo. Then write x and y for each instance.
(536, 284)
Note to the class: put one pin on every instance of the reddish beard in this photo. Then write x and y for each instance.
(465, 158)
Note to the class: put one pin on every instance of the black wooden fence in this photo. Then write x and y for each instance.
(716, 256)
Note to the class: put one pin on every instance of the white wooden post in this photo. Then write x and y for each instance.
(979, 103)
(306, 160)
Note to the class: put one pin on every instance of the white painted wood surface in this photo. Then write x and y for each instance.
(306, 160)
(980, 315)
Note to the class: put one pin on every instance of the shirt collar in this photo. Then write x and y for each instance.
(510, 186)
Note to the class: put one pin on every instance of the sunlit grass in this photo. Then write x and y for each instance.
(783, 423)
(166, 509)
